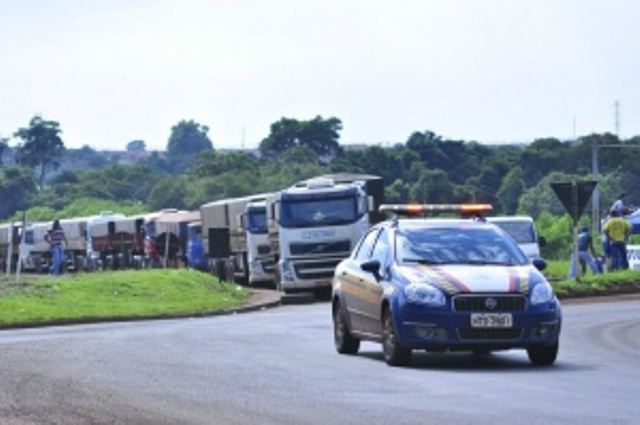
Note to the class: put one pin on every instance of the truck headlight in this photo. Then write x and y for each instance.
(541, 293)
(423, 293)
(287, 271)
(256, 267)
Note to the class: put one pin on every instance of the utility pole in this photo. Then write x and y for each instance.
(617, 118)
(595, 197)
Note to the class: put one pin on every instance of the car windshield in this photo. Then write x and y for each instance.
(257, 221)
(318, 212)
(520, 231)
(463, 245)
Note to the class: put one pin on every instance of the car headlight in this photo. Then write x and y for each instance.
(423, 293)
(541, 293)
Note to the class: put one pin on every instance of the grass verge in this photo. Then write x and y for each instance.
(107, 295)
(618, 282)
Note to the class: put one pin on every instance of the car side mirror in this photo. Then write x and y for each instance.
(539, 264)
(541, 241)
(372, 266)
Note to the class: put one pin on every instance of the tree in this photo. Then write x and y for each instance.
(212, 163)
(321, 135)
(188, 138)
(168, 193)
(3, 146)
(136, 146)
(510, 191)
(42, 146)
(541, 197)
(16, 185)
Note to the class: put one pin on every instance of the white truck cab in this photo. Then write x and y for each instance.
(315, 224)
(522, 230)
(259, 260)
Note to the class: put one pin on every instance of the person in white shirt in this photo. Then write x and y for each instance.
(620, 206)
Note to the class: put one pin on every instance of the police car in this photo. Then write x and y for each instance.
(443, 284)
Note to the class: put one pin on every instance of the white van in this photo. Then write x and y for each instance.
(522, 229)
(633, 255)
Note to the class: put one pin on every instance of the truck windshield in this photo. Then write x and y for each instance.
(520, 231)
(316, 212)
(257, 219)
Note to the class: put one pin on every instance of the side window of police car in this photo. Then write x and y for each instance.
(381, 251)
(364, 250)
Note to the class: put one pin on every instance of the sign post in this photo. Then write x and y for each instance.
(574, 197)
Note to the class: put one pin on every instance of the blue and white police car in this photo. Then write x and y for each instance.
(443, 284)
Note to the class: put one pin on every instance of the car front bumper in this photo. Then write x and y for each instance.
(443, 329)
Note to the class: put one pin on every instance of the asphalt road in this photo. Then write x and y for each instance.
(279, 367)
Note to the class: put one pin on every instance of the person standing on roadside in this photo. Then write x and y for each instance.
(618, 230)
(620, 205)
(586, 253)
(55, 237)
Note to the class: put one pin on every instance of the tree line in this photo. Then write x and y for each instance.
(425, 168)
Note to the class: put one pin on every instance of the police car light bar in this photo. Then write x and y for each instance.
(432, 209)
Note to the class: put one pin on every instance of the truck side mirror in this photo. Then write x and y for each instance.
(240, 221)
(276, 211)
(370, 204)
(542, 241)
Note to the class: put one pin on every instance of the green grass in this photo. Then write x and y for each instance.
(557, 270)
(115, 294)
(624, 281)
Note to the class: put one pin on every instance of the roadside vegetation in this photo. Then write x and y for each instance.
(618, 282)
(424, 168)
(119, 294)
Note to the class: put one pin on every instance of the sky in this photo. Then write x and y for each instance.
(492, 71)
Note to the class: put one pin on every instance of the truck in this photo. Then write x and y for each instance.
(522, 230)
(315, 224)
(235, 239)
(113, 240)
(9, 245)
(167, 232)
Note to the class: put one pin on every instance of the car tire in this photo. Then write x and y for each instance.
(543, 355)
(345, 342)
(395, 354)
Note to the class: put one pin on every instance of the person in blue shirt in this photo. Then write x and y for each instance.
(586, 253)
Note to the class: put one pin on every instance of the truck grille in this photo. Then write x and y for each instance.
(320, 248)
(268, 266)
(504, 303)
(476, 334)
(316, 269)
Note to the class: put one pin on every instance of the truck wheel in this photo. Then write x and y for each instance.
(543, 355)
(345, 342)
(245, 268)
(395, 354)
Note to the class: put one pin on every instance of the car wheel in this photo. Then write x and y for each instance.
(344, 341)
(394, 353)
(543, 355)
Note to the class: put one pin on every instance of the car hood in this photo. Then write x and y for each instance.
(460, 278)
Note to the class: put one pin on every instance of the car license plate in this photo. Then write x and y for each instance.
(491, 320)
